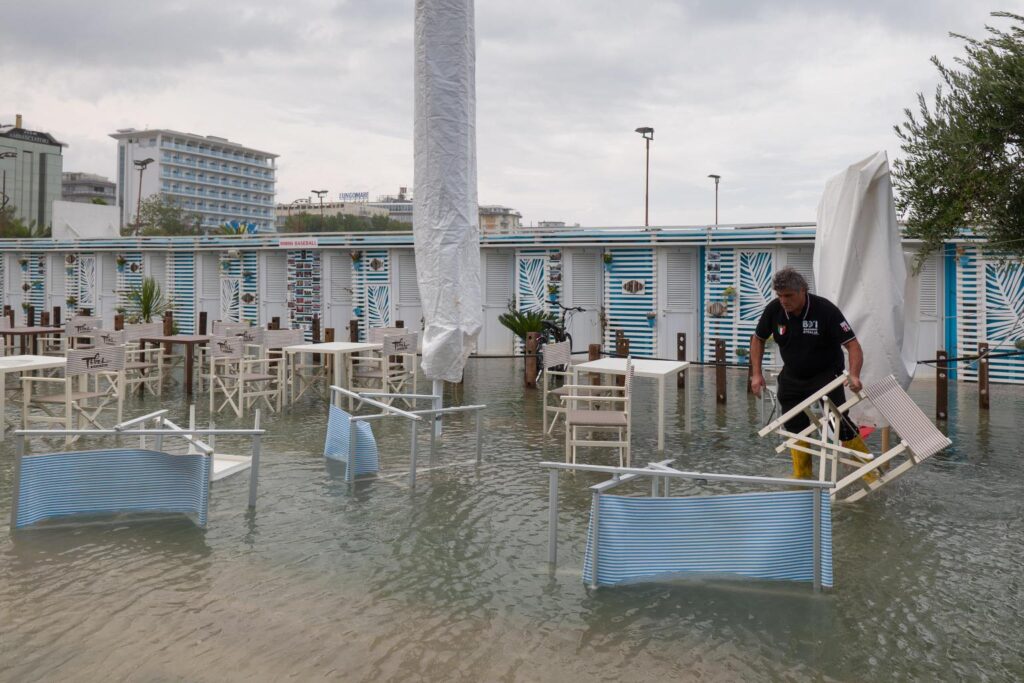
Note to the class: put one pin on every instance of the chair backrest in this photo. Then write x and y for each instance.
(82, 325)
(133, 333)
(376, 334)
(279, 339)
(395, 344)
(104, 338)
(557, 354)
(629, 379)
(229, 329)
(226, 348)
(909, 421)
(92, 361)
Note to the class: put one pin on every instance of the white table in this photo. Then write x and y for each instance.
(18, 364)
(337, 349)
(653, 369)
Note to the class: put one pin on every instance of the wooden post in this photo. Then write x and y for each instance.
(44, 318)
(203, 322)
(720, 370)
(681, 355)
(7, 309)
(621, 351)
(353, 331)
(168, 323)
(30, 316)
(118, 322)
(400, 323)
(328, 334)
(942, 387)
(983, 376)
(56, 316)
(315, 333)
(594, 353)
(10, 314)
(275, 323)
(87, 312)
(530, 376)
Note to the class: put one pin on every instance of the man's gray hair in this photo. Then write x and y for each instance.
(788, 279)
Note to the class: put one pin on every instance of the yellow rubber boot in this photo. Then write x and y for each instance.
(801, 462)
(857, 444)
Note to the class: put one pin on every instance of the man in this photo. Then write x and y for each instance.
(810, 332)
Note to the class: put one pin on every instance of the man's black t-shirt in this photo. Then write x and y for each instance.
(810, 342)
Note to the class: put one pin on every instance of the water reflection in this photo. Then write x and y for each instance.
(375, 580)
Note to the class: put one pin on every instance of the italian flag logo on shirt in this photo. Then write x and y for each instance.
(782, 330)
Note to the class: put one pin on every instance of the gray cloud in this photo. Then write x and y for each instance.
(774, 96)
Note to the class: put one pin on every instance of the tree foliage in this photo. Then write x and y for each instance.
(962, 165)
(13, 227)
(160, 215)
(311, 222)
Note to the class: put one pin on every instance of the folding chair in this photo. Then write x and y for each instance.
(556, 355)
(390, 371)
(144, 368)
(857, 474)
(269, 346)
(615, 419)
(242, 382)
(78, 331)
(99, 376)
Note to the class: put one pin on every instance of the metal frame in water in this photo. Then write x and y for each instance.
(414, 416)
(165, 427)
(661, 475)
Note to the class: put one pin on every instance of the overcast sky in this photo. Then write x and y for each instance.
(774, 96)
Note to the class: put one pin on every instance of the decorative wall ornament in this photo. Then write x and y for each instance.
(755, 291)
(634, 287)
(376, 264)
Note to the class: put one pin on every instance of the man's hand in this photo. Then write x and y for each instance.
(855, 384)
(757, 383)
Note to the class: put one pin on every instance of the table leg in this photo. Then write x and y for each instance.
(340, 372)
(661, 412)
(3, 405)
(189, 360)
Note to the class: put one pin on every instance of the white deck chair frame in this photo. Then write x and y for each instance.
(857, 474)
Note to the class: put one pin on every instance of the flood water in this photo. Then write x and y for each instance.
(449, 581)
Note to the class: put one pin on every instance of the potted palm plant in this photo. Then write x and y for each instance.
(148, 299)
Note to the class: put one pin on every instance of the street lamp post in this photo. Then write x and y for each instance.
(717, 178)
(141, 165)
(320, 194)
(648, 134)
(3, 192)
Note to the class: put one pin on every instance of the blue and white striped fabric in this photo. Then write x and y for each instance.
(111, 481)
(753, 535)
(336, 445)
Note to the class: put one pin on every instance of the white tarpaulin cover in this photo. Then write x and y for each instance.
(860, 266)
(445, 214)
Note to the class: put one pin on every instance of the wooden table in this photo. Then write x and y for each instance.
(33, 333)
(19, 364)
(338, 349)
(654, 369)
(189, 341)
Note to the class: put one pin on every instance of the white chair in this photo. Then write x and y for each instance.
(144, 368)
(269, 346)
(78, 331)
(392, 370)
(92, 381)
(242, 382)
(615, 419)
(556, 355)
(854, 473)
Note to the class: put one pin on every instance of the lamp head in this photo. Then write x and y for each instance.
(647, 132)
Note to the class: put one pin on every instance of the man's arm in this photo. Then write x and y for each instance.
(856, 363)
(756, 356)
